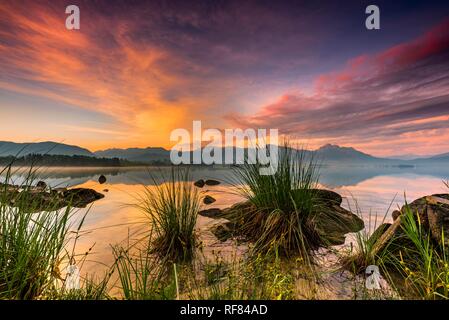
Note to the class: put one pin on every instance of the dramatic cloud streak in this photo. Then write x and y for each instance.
(152, 66)
(101, 69)
(379, 102)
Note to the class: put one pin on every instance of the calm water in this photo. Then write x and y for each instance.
(113, 220)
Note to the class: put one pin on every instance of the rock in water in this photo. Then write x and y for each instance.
(41, 185)
(210, 213)
(332, 222)
(102, 179)
(200, 183)
(223, 231)
(81, 197)
(433, 213)
(208, 200)
(35, 199)
(212, 182)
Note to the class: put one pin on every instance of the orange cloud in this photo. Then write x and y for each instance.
(395, 101)
(101, 68)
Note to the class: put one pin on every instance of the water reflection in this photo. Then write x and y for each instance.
(113, 219)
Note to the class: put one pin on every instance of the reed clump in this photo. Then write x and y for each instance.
(172, 208)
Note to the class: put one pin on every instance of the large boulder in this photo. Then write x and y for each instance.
(331, 221)
(433, 213)
(328, 196)
(334, 222)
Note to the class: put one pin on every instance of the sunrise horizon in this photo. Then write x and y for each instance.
(299, 146)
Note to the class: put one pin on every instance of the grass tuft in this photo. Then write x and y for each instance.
(283, 205)
(141, 275)
(173, 210)
(424, 264)
(31, 244)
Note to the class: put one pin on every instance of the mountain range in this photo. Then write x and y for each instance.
(444, 156)
(327, 153)
(48, 147)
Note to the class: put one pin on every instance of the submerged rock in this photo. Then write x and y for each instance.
(81, 197)
(208, 199)
(35, 199)
(211, 213)
(212, 182)
(223, 231)
(199, 183)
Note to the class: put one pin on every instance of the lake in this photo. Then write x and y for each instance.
(373, 191)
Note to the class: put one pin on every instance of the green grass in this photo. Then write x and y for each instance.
(283, 204)
(32, 241)
(424, 265)
(413, 263)
(260, 278)
(142, 276)
(173, 210)
(365, 253)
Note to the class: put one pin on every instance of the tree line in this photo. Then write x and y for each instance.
(63, 160)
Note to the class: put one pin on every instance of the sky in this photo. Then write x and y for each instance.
(136, 70)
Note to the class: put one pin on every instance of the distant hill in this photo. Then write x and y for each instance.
(330, 152)
(334, 153)
(161, 156)
(437, 159)
(147, 155)
(51, 148)
(444, 156)
(410, 156)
